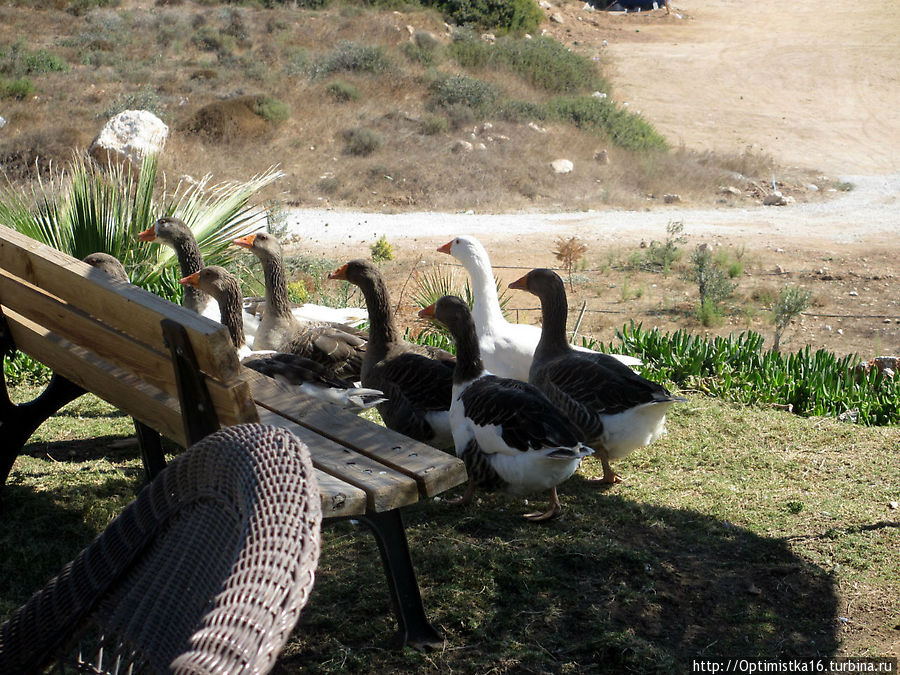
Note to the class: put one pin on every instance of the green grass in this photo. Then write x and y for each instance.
(744, 532)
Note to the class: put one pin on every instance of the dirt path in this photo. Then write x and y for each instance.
(812, 83)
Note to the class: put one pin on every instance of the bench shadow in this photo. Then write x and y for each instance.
(42, 530)
(621, 587)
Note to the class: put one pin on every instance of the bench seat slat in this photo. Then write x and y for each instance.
(433, 470)
(339, 499)
(129, 309)
(385, 489)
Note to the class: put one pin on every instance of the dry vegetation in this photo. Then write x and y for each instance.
(243, 88)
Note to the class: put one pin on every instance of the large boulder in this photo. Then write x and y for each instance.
(128, 138)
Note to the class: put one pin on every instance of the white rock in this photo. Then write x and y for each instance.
(545, 5)
(853, 294)
(599, 94)
(130, 136)
(601, 157)
(480, 146)
(462, 146)
(812, 187)
(840, 331)
(730, 190)
(562, 166)
(2, 122)
(828, 327)
(535, 127)
(774, 199)
(556, 17)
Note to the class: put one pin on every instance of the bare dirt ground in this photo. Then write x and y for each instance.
(812, 84)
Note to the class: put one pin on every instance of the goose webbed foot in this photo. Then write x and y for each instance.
(465, 499)
(610, 477)
(553, 512)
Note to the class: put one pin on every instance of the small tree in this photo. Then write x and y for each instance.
(712, 282)
(569, 253)
(791, 301)
(661, 256)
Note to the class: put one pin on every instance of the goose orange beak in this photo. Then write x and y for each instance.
(147, 235)
(191, 280)
(339, 273)
(245, 242)
(428, 312)
(445, 248)
(520, 284)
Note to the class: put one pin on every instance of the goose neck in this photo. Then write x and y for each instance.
(554, 313)
(486, 305)
(382, 327)
(468, 357)
(276, 287)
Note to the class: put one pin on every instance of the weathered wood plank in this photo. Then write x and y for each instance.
(124, 391)
(385, 489)
(433, 470)
(127, 308)
(339, 499)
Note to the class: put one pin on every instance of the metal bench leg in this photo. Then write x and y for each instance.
(18, 422)
(150, 443)
(414, 629)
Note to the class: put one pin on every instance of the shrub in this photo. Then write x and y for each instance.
(624, 128)
(145, 99)
(19, 88)
(660, 257)
(789, 304)
(352, 57)
(272, 110)
(211, 39)
(22, 369)
(382, 250)
(361, 141)
(342, 91)
(18, 60)
(505, 15)
(519, 111)
(712, 281)
(542, 62)
(424, 49)
(297, 292)
(432, 125)
(328, 185)
(475, 94)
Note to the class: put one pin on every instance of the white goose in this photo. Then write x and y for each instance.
(506, 348)
(614, 409)
(506, 431)
(297, 372)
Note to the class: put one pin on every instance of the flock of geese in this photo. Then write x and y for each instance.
(519, 404)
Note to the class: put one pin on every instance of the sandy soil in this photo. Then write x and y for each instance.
(813, 84)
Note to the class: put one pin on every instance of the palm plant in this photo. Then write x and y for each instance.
(89, 209)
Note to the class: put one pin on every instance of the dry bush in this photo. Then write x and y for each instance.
(31, 154)
(231, 120)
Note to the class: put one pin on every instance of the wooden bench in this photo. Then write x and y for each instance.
(177, 374)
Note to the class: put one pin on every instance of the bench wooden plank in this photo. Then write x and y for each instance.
(129, 309)
(385, 489)
(339, 499)
(433, 470)
(119, 388)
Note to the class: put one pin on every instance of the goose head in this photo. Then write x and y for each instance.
(542, 282)
(357, 272)
(451, 311)
(169, 229)
(468, 250)
(262, 244)
(109, 264)
(215, 280)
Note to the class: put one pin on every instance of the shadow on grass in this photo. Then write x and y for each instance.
(42, 530)
(112, 447)
(625, 587)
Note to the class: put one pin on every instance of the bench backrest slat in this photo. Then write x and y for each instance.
(130, 310)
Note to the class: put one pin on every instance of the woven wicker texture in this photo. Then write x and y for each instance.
(206, 571)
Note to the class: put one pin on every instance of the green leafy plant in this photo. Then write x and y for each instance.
(469, 92)
(19, 88)
(297, 292)
(88, 209)
(271, 109)
(738, 368)
(661, 257)
(713, 283)
(342, 91)
(382, 250)
(353, 57)
(624, 128)
(789, 304)
(522, 16)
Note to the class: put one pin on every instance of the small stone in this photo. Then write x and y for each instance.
(779, 269)
(462, 146)
(828, 327)
(556, 17)
(672, 199)
(601, 157)
(599, 94)
(779, 250)
(840, 331)
(562, 166)
(894, 505)
(774, 199)
(729, 190)
(812, 187)
(853, 294)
